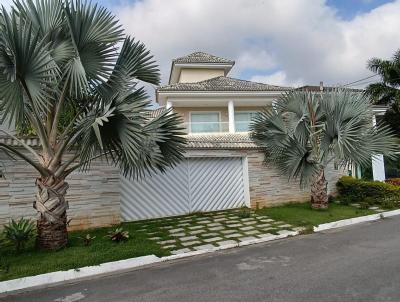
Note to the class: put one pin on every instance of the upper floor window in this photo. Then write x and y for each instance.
(204, 122)
(243, 120)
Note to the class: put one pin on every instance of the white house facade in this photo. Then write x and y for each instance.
(222, 168)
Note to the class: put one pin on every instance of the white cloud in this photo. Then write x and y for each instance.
(303, 39)
(6, 3)
(278, 78)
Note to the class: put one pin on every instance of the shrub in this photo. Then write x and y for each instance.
(19, 233)
(389, 204)
(393, 181)
(118, 235)
(364, 205)
(4, 266)
(244, 212)
(356, 190)
(87, 240)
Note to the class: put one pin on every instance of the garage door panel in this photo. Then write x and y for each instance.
(216, 184)
(159, 195)
(196, 184)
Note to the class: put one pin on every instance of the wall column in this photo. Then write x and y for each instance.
(231, 117)
(378, 164)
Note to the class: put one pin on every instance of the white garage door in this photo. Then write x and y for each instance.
(196, 184)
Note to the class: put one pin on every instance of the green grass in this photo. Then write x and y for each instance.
(301, 214)
(33, 262)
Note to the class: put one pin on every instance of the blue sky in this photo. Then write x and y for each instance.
(347, 9)
(280, 42)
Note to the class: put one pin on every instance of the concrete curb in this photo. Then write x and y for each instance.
(64, 277)
(351, 221)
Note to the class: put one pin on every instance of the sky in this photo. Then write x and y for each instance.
(279, 42)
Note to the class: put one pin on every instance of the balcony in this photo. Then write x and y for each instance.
(215, 127)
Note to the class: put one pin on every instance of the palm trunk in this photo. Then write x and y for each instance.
(51, 204)
(319, 192)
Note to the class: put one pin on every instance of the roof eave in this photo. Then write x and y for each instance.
(176, 67)
(161, 96)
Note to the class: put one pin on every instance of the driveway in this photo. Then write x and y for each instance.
(361, 263)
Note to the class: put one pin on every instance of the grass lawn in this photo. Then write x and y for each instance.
(301, 214)
(33, 262)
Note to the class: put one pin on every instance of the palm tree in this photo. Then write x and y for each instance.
(305, 132)
(388, 90)
(68, 72)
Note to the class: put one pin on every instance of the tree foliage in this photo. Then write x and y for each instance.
(69, 73)
(305, 131)
(387, 90)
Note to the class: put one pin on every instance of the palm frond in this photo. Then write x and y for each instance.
(26, 59)
(134, 64)
(61, 55)
(334, 125)
(129, 139)
(94, 32)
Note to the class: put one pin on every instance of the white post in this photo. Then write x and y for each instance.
(378, 164)
(231, 117)
(168, 104)
(274, 105)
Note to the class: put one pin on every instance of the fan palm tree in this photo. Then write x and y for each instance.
(388, 90)
(305, 132)
(68, 72)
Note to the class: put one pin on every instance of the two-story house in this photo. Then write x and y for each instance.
(223, 167)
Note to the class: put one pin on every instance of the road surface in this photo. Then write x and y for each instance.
(359, 263)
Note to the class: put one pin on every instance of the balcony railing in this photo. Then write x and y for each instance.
(206, 127)
(215, 127)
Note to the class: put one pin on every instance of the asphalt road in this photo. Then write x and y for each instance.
(359, 263)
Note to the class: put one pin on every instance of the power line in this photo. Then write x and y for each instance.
(360, 80)
(386, 83)
(363, 83)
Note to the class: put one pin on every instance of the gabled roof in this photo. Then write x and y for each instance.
(201, 57)
(220, 141)
(315, 88)
(222, 84)
(194, 141)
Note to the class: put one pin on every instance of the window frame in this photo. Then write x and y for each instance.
(244, 111)
(202, 112)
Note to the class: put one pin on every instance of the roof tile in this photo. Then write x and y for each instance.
(223, 84)
(220, 141)
(202, 57)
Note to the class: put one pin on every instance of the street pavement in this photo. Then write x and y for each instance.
(358, 263)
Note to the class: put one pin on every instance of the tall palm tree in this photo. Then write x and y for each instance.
(386, 91)
(68, 72)
(306, 131)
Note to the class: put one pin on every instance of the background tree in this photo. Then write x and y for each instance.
(305, 132)
(387, 91)
(68, 72)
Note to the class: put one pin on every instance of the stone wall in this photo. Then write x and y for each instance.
(267, 187)
(93, 197)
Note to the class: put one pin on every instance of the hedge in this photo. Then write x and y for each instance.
(357, 189)
(393, 181)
